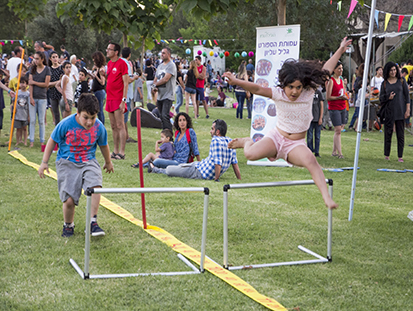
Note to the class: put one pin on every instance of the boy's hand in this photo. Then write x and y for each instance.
(43, 166)
(159, 141)
(108, 167)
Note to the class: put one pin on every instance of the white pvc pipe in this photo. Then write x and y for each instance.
(278, 264)
(146, 190)
(127, 275)
(225, 229)
(330, 225)
(188, 263)
(306, 250)
(204, 231)
(274, 184)
(77, 268)
(363, 95)
(87, 234)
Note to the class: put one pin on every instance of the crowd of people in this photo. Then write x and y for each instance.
(64, 83)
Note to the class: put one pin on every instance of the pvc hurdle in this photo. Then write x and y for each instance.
(85, 273)
(320, 259)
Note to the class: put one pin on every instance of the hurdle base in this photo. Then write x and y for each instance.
(320, 259)
(127, 275)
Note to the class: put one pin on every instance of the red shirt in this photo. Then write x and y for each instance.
(338, 90)
(200, 83)
(114, 87)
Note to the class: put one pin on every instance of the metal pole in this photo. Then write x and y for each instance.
(330, 225)
(363, 94)
(204, 230)
(138, 125)
(87, 234)
(225, 229)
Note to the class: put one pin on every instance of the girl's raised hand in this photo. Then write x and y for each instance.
(231, 77)
(345, 43)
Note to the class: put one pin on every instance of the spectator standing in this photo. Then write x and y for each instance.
(200, 83)
(149, 74)
(117, 89)
(47, 49)
(66, 55)
(74, 74)
(378, 78)
(314, 130)
(394, 94)
(250, 66)
(39, 79)
(180, 87)
(99, 81)
(240, 93)
(14, 62)
(165, 82)
(55, 90)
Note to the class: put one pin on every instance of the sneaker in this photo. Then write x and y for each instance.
(207, 116)
(410, 216)
(95, 230)
(67, 231)
(387, 158)
(131, 140)
(317, 155)
(401, 160)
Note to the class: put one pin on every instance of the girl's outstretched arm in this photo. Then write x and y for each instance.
(332, 62)
(248, 86)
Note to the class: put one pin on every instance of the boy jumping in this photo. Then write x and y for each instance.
(76, 164)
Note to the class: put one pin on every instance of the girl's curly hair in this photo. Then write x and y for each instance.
(309, 73)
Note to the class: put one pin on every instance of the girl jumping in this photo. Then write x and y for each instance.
(293, 98)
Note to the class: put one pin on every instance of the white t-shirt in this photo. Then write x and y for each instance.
(12, 66)
(74, 72)
(376, 82)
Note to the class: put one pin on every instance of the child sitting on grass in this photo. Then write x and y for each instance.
(165, 151)
(22, 111)
(293, 98)
(78, 136)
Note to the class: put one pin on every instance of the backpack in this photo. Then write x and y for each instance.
(188, 138)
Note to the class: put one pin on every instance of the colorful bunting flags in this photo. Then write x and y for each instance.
(376, 17)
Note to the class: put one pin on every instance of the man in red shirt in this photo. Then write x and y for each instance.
(116, 90)
(200, 82)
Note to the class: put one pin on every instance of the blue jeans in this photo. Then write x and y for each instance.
(38, 109)
(163, 163)
(249, 106)
(100, 95)
(316, 129)
(240, 99)
(355, 116)
(179, 98)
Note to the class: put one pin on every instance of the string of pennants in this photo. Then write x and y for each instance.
(4, 42)
(194, 41)
(387, 17)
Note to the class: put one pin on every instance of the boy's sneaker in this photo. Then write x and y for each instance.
(67, 231)
(95, 230)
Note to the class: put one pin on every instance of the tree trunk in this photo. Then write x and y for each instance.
(125, 40)
(282, 12)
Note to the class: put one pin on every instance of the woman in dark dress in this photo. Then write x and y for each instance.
(99, 81)
(394, 94)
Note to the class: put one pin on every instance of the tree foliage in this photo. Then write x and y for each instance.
(404, 53)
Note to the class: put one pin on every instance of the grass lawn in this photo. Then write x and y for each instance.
(372, 267)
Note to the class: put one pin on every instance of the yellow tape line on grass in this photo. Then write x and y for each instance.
(178, 247)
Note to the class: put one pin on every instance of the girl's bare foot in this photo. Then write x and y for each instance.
(330, 203)
(237, 143)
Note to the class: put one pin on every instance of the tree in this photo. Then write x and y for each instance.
(27, 10)
(404, 53)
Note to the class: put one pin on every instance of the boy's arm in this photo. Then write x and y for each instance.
(236, 170)
(46, 156)
(106, 155)
(157, 149)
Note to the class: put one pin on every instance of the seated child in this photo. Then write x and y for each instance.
(207, 92)
(78, 136)
(82, 86)
(22, 111)
(220, 102)
(165, 151)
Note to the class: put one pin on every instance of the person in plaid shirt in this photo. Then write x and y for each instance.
(217, 163)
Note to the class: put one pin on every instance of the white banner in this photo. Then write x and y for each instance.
(275, 45)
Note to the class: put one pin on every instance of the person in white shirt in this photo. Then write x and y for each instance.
(13, 62)
(378, 78)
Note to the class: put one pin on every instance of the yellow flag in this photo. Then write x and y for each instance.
(386, 21)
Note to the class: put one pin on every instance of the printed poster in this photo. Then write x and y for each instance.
(275, 45)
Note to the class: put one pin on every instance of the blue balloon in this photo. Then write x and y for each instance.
(188, 51)
(244, 54)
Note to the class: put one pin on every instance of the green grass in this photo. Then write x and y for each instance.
(371, 269)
